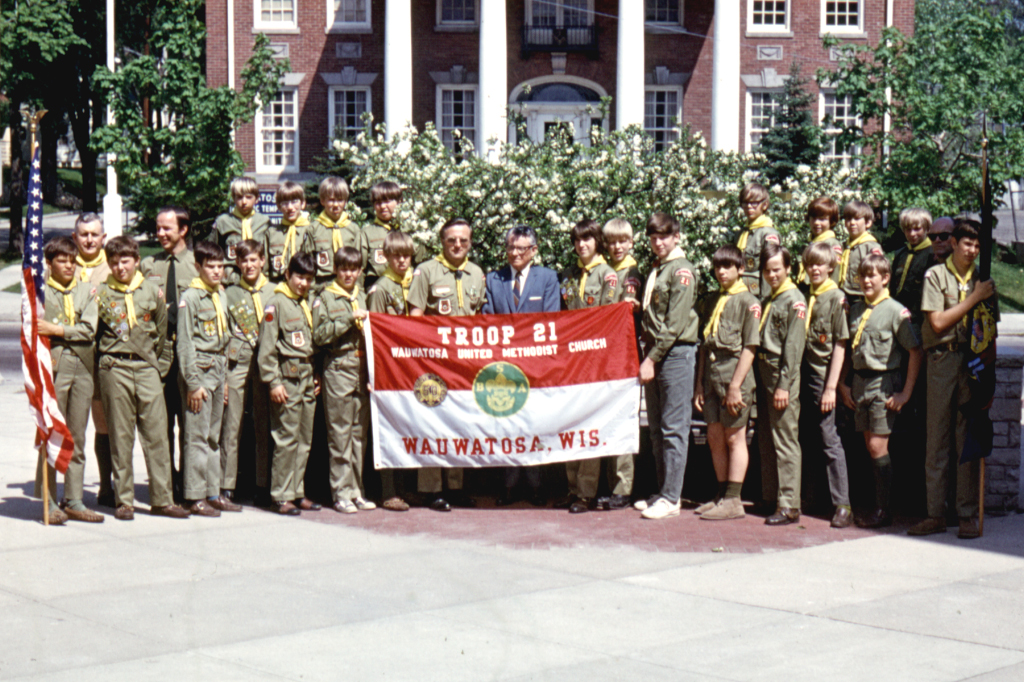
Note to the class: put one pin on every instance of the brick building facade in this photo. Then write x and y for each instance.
(560, 58)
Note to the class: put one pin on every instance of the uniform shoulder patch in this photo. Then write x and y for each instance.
(905, 314)
(416, 272)
(182, 304)
(684, 276)
(611, 278)
(774, 238)
(93, 292)
(632, 284)
(877, 251)
(316, 303)
(838, 248)
(755, 310)
(372, 289)
(927, 274)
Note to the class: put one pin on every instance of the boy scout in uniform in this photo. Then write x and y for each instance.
(245, 303)
(133, 356)
(338, 315)
(824, 353)
(858, 217)
(202, 337)
(951, 290)
(911, 261)
(760, 231)
(70, 322)
(386, 196)
(822, 217)
(725, 385)
(588, 283)
(783, 333)
(332, 230)
(244, 222)
(447, 285)
(879, 326)
(670, 341)
(289, 239)
(286, 365)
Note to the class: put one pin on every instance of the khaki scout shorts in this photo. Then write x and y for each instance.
(870, 394)
(715, 411)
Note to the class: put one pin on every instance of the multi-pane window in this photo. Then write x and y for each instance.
(277, 11)
(457, 112)
(840, 17)
(347, 108)
(768, 14)
(763, 108)
(351, 11)
(662, 11)
(560, 13)
(458, 11)
(661, 116)
(278, 130)
(837, 114)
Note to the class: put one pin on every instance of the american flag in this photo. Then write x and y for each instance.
(35, 349)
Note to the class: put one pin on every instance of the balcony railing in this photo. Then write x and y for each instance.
(560, 39)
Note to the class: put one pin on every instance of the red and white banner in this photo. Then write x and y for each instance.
(503, 390)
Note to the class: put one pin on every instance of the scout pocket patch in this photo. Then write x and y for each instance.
(323, 259)
(231, 252)
(378, 257)
(442, 290)
(298, 339)
(444, 306)
(277, 262)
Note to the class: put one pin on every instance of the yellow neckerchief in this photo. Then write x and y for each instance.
(755, 225)
(827, 234)
(405, 281)
(738, 287)
(254, 291)
(246, 223)
(387, 226)
(844, 261)
(292, 237)
(627, 262)
(786, 285)
(963, 283)
(283, 288)
(827, 285)
(69, 303)
(585, 270)
(458, 280)
(128, 290)
(222, 321)
(926, 244)
(352, 298)
(89, 266)
(334, 227)
(867, 315)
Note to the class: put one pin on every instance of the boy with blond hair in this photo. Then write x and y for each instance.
(290, 238)
(911, 261)
(243, 222)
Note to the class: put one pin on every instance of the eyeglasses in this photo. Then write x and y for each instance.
(941, 236)
(455, 241)
(519, 249)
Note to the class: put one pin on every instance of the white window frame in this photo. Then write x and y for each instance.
(440, 21)
(262, 167)
(439, 110)
(843, 30)
(749, 144)
(272, 26)
(851, 158)
(349, 26)
(665, 24)
(677, 123)
(331, 117)
(559, 13)
(768, 28)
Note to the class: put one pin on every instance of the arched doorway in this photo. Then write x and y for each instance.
(554, 105)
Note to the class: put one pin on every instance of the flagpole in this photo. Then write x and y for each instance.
(984, 273)
(33, 127)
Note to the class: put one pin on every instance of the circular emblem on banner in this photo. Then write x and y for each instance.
(430, 390)
(501, 389)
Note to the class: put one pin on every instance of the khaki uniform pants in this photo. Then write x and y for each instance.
(428, 479)
(347, 412)
(201, 461)
(583, 475)
(73, 384)
(778, 438)
(245, 390)
(619, 471)
(291, 425)
(948, 389)
(133, 394)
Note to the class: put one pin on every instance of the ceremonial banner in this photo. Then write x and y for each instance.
(503, 390)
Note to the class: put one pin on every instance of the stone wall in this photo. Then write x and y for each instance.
(1003, 466)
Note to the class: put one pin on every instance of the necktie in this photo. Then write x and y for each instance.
(172, 296)
(517, 288)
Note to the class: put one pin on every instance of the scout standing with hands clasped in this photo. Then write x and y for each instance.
(759, 231)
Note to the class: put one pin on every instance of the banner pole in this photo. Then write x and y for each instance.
(33, 128)
(981, 497)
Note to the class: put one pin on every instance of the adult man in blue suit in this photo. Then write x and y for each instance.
(521, 287)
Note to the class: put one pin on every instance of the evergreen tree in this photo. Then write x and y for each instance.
(794, 139)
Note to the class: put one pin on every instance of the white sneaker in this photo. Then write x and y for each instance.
(345, 507)
(641, 505)
(363, 504)
(662, 509)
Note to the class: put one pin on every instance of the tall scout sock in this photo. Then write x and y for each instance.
(723, 486)
(883, 480)
(733, 488)
(101, 445)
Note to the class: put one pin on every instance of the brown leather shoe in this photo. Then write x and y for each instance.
(58, 517)
(783, 516)
(84, 515)
(125, 512)
(968, 529)
(306, 504)
(286, 508)
(396, 504)
(223, 504)
(201, 508)
(930, 526)
(172, 511)
(843, 518)
(580, 506)
(879, 518)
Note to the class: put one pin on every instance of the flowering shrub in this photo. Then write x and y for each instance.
(553, 185)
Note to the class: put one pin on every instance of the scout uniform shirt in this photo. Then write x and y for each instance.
(95, 272)
(733, 323)
(875, 329)
(829, 237)
(587, 286)
(783, 333)
(750, 242)
(390, 293)
(373, 235)
(285, 242)
(244, 307)
(323, 239)
(826, 324)
(155, 269)
(335, 328)
(286, 337)
(232, 228)
(133, 320)
(202, 331)
(438, 288)
(943, 289)
(908, 267)
(669, 317)
(629, 283)
(75, 309)
(856, 250)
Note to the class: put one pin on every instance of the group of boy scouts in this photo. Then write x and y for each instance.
(265, 321)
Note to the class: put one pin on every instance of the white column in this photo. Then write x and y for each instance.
(231, 44)
(112, 200)
(397, 66)
(629, 79)
(493, 90)
(725, 86)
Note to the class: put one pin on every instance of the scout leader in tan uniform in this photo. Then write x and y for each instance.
(760, 231)
(879, 325)
(822, 218)
(245, 302)
(447, 285)
(951, 290)
(783, 332)
(202, 337)
(134, 355)
(725, 385)
(243, 222)
(587, 283)
(70, 322)
(332, 230)
(286, 365)
(338, 315)
(858, 217)
(386, 196)
(290, 238)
